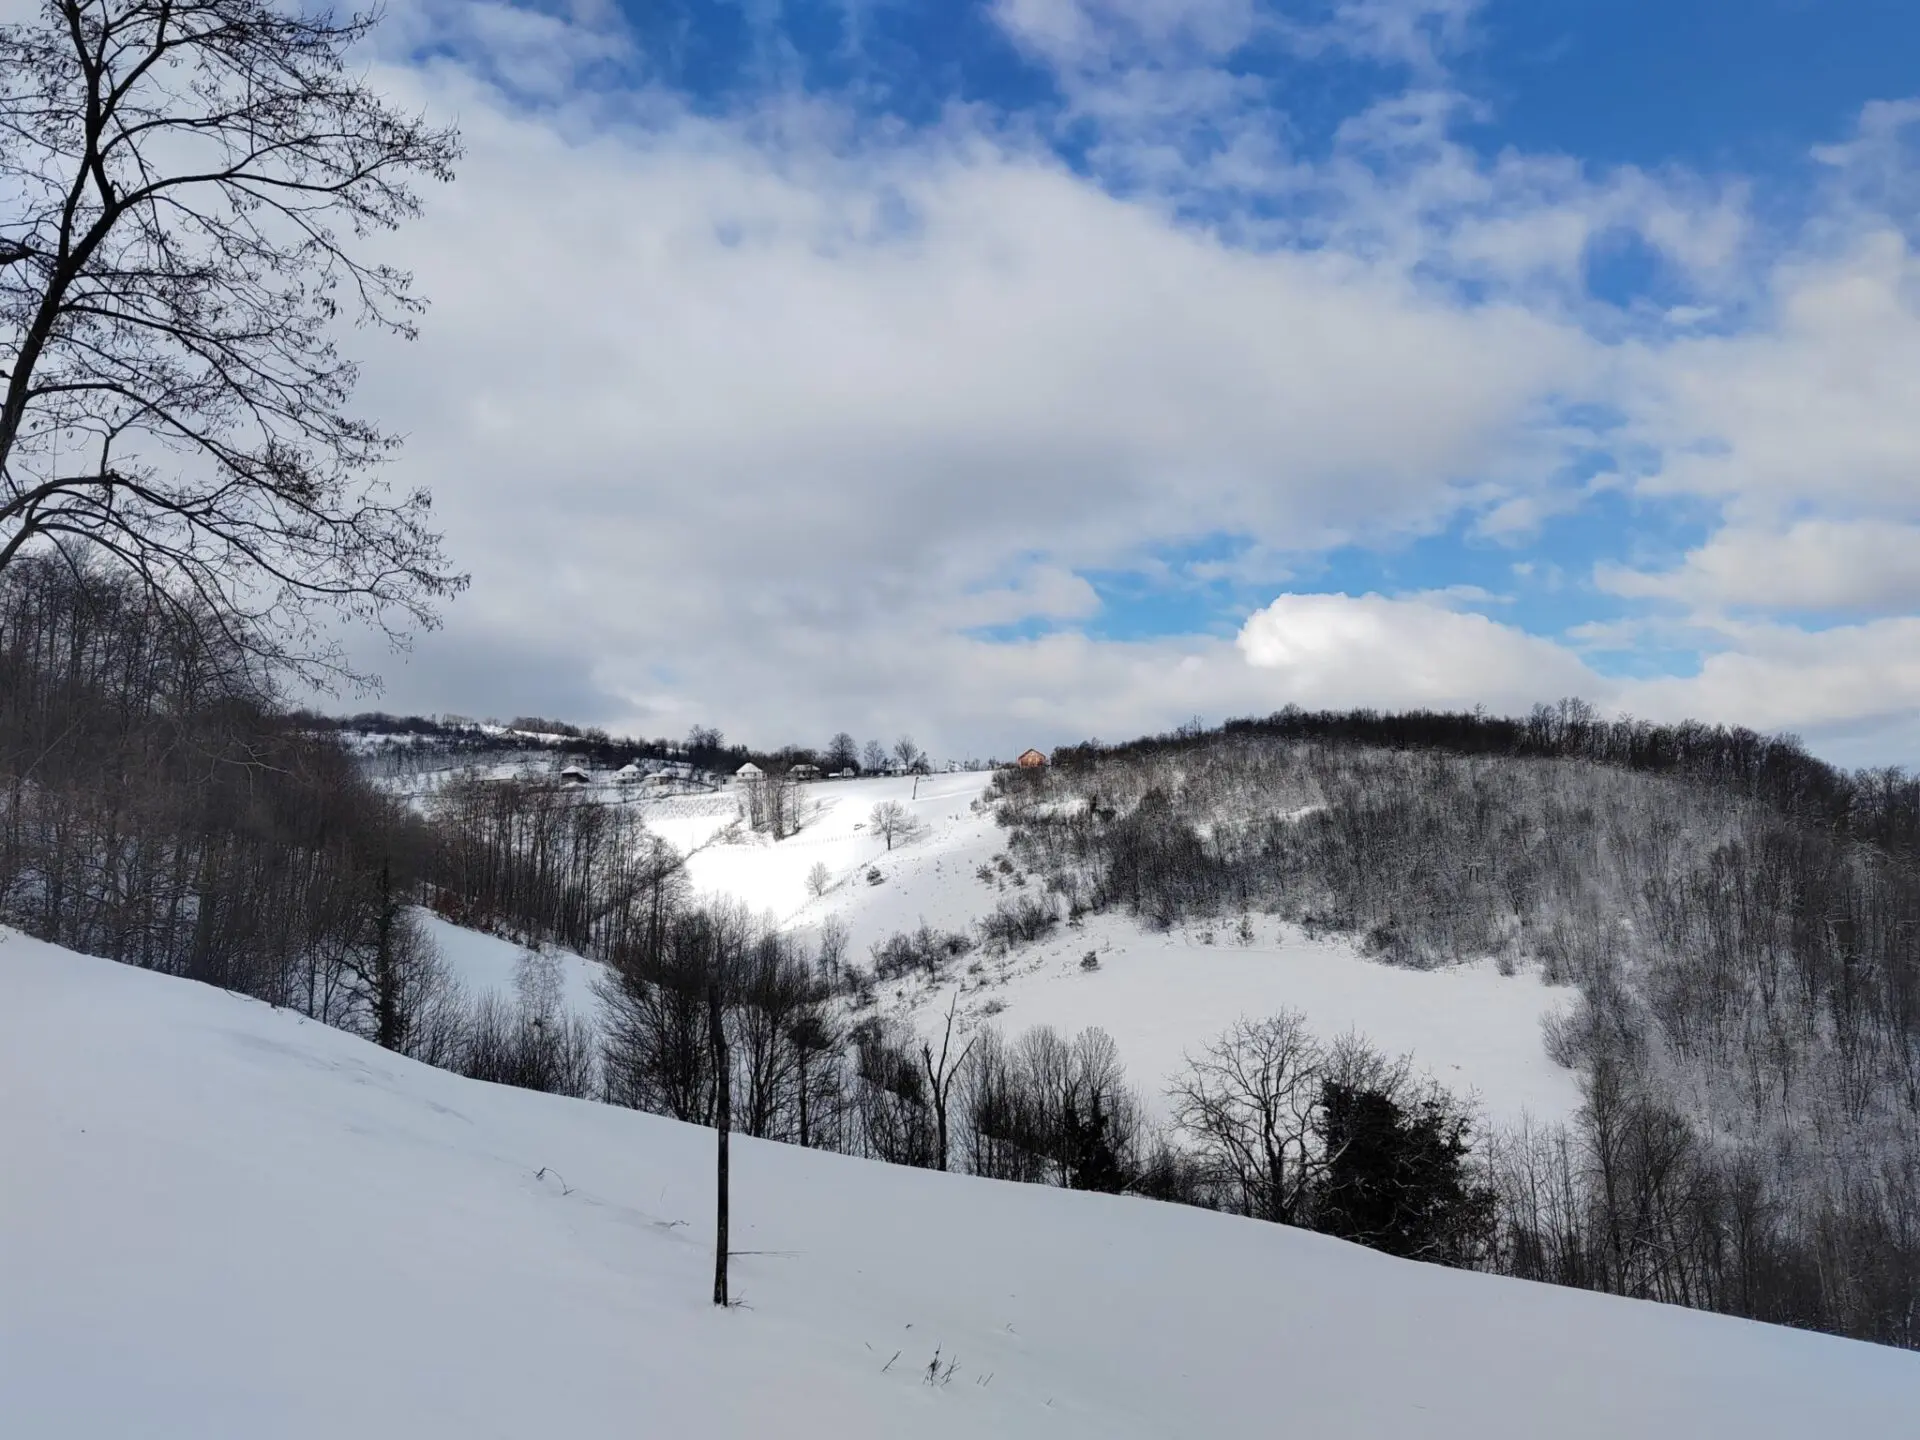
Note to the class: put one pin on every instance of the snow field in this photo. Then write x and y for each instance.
(219, 1221)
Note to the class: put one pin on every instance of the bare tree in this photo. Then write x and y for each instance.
(772, 804)
(1248, 1102)
(819, 879)
(891, 822)
(940, 1076)
(873, 757)
(909, 755)
(183, 181)
(843, 753)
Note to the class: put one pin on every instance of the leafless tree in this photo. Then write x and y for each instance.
(819, 879)
(891, 821)
(772, 804)
(940, 1077)
(1248, 1103)
(843, 753)
(184, 181)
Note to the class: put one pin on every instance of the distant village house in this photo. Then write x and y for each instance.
(1031, 760)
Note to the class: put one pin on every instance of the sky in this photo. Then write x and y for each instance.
(1022, 372)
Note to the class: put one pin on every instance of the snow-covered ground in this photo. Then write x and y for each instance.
(1158, 995)
(485, 964)
(219, 1221)
(1164, 996)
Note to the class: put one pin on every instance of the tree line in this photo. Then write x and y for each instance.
(418, 743)
(160, 807)
(1880, 806)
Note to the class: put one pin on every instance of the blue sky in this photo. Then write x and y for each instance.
(1050, 367)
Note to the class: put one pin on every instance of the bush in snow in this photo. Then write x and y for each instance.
(1019, 922)
(926, 950)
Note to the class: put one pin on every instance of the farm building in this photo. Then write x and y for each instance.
(1031, 760)
(575, 775)
(749, 772)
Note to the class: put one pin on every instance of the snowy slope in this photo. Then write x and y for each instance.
(1164, 996)
(486, 964)
(1158, 995)
(929, 877)
(220, 1222)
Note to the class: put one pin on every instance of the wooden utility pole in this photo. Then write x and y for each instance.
(722, 1125)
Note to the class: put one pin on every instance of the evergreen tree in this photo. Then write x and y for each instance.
(1397, 1177)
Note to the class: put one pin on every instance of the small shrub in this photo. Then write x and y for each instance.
(1565, 1035)
(1019, 922)
(1090, 960)
(926, 950)
(874, 877)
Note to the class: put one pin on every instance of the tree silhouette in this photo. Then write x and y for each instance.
(184, 180)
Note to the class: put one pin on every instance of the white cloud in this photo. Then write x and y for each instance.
(1818, 565)
(1835, 681)
(1092, 35)
(1814, 408)
(1339, 650)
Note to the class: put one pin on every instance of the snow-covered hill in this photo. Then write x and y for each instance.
(1158, 995)
(222, 1222)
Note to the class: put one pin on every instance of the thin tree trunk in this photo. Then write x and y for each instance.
(722, 1125)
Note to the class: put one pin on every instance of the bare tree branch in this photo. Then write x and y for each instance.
(185, 183)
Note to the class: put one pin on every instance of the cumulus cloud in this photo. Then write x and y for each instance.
(1340, 650)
